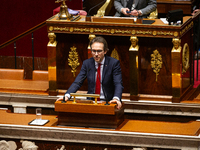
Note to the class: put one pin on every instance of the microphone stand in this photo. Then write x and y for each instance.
(63, 101)
(88, 17)
(105, 95)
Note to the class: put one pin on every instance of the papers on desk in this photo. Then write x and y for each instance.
(38, 122)
(73, 12)
(164, 20)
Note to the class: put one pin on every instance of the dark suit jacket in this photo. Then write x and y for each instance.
(111, 77)
(146, 6)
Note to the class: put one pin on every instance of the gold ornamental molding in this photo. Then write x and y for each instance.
(73, 60)
(114, 31)
(156, 62)
(185, 58)
(188, 27)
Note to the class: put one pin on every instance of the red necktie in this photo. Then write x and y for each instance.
(98, 79)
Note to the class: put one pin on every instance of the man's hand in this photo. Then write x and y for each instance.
(196, 10)
(124, 11)
(61, 98)
(134, 13)
(119, 104)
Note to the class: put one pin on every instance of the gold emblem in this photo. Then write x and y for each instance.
(50, 28)
(175, 34)
(91, 30)
(156, 62)
(115, 54)
(112, 31)
(133, 32)
(185, 58)
(73, 60)
(154, 33)
(71, 29)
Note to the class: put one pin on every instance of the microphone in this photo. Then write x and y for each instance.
(76, 83)
(88, 14)
(63, 101)
(105, 94)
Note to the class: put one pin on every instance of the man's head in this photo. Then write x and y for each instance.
(99, 48)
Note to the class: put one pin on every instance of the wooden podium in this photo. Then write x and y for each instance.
(85, 113)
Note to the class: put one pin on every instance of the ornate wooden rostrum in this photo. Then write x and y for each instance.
(153, 69)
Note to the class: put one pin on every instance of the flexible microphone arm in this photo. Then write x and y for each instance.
(103, 89)
(76, 83)
(95, 6)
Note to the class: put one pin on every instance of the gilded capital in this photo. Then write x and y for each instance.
(52, 39)
(176, 45)
(134, 43)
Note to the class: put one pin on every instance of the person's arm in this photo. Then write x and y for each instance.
(61, 98)
(77, 83)
(119, 103)
(196, 10)
(117, 79)
(151, 6)
(120, 8)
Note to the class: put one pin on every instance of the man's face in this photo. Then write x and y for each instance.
(98, 51)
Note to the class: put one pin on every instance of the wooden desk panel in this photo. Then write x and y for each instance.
(177, 128)
(164, 6)
(25, 86)
(24, 119)
(142, 126)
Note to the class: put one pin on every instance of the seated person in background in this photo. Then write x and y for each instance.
(196, 7)
(109, 73)
(134, 8)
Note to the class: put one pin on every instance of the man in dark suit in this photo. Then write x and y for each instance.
(103, 69)
(195, 7)
(137, 8)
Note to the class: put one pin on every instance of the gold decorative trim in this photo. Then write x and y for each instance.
(73, 60)
(114, 31)
(71, 29)
(115, 54)
(185, 58)
(156, 62)
(189, 26)
(91, 30)
(50, 28)
(175, 34)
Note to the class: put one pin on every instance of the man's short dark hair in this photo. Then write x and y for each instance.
(100, 39)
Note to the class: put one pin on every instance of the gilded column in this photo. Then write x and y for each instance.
(176, 68)
(91, 36)
(51, 50)
(133, 59)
